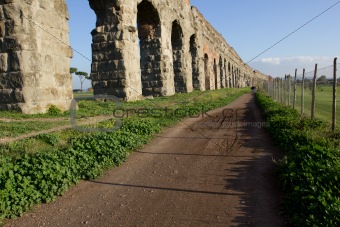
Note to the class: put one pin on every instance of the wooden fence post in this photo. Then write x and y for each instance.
(294, 101)
(275, 89)
(303, 92)
(285, 90)
(334, 96)
(312, 114)
(289, 88)
(278, 89)
(281, 88)
(272, 89)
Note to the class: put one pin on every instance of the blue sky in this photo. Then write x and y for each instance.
(250, 27)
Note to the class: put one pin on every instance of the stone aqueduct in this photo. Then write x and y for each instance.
(140, 48)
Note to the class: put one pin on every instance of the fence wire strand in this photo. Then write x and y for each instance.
(282, 90)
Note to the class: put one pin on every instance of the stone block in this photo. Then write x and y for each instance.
(62, 80)
(11, 80)
(3, 62)
(6, 95)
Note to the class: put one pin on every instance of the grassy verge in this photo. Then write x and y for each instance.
(91, 108)
(30, 176)
(323, 102)
(310, 171)
(14, 129)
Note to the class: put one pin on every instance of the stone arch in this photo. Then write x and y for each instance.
(233, 76)
(229, 75)
(222, 81)
(35, 72)
(225, 73)
(194, 62)
(215, 74)
(237, 77)
(177, 53)
(149, 34)
(206, 72)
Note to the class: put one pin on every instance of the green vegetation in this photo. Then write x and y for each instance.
(82, 94)
(310, 170)
(323, 102)
(17, 128)
(38, 169)
(91, 108)
(53, 111)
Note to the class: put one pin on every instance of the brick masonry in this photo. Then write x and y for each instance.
(139, 48)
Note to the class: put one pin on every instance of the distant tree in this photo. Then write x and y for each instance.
(322, 80)
(73, 70)
(82, 77)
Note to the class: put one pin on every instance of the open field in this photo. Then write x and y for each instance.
(323, 103)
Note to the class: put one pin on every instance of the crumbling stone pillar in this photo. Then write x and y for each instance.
(216, 77)
(115, 51)
(34, 55)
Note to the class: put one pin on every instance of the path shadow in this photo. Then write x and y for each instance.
(254, 178)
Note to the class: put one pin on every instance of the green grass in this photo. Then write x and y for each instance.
(14, 129)
(90, 108)
(82, 94)
(323, 103)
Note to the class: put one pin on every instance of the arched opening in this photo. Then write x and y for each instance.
(206, 72)
(237, 77)
(225, 73)
(222, 81)
(194, 62)
(177, 54)
(215, 74)
(232, 76)
(149, 34)
(81, 39)
(229, 75)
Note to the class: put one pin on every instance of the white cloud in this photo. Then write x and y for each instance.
(274, 61)
(278, 67)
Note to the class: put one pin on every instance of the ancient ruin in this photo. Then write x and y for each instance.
(140, 48)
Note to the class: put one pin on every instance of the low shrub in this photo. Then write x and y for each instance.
(53, 111)
(40, 177)
(310, 171)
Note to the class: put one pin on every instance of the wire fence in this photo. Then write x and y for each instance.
(313, 94)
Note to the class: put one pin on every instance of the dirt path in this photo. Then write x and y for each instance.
(202, 172)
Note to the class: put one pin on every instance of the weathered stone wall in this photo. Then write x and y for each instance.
(34, 55)
(140, 48)
(145, 58)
